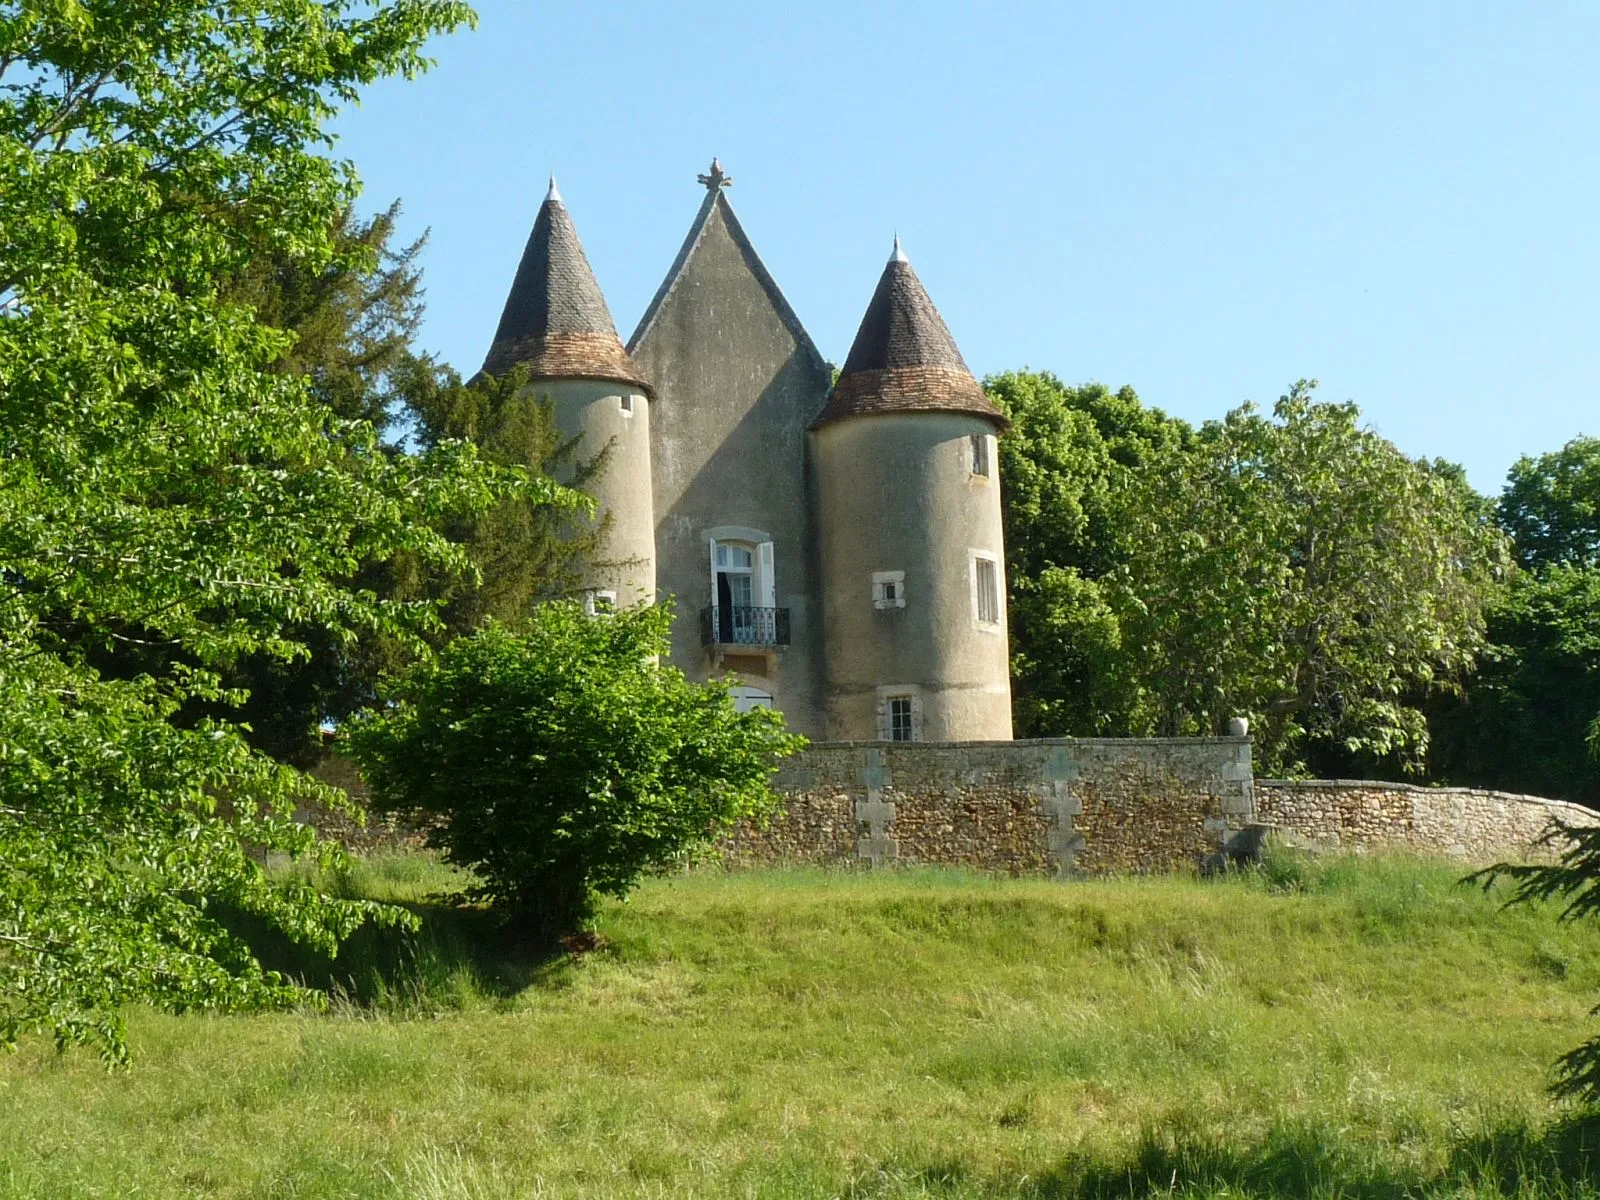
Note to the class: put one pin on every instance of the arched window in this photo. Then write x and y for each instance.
(746, 698)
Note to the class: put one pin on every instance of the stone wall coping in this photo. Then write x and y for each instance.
(1384, 785)
(1066, 741)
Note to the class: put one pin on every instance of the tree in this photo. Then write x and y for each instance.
(1301, 571)
(164, 484)
(353, 318)
(1551, 507)
(564, 761)
(527, 547)
(527, 550)
(1530, 721)
(1061, 466)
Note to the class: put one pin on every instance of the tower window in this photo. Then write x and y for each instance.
(986, 589)
(899, 712)
(626, 401)
(981, 460)
(888, 589)
(900, 719)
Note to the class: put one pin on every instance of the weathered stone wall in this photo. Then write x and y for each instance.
(1052, 806)
(1465, 823)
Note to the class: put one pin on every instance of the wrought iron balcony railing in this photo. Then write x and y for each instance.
(721, 626)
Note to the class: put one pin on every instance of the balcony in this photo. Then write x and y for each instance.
(759, 628)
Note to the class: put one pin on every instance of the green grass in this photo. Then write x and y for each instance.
(1356, 1029)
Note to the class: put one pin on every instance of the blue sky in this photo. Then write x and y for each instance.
(1206, 202)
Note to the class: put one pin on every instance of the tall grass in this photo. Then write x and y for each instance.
(1363, 1028)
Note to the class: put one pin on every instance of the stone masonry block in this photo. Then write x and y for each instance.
(876, 778)
(1064, 840)
(1062, 808)
(874, 812)
(877, 849)
(1058, 767)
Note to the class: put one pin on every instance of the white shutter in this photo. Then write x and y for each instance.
(765, 583)
(713, 572)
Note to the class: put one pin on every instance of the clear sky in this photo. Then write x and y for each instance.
(1204, 201)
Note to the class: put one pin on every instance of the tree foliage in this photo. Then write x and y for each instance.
(1296, 569)
(1530, 721)
(353, 317)
(1063, 465)
(527, 549)
(565, 760)
(1301, 571)
(1551, 507)
(165, 485)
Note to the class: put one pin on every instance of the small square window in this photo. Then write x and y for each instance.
(900, 719)
(981, 461)
(599, 602)
(888, 589)
(626, 402)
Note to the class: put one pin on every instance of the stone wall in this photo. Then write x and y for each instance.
(1465, 823)
(1073, 805)
(1052, 806)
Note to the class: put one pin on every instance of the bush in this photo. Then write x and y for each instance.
(564, 760)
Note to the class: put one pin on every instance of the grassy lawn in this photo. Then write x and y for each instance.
(1342, 1029)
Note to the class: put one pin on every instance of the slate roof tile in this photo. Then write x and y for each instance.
(555, 320)
(904, 359)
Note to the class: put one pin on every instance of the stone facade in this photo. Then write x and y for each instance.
(767, 500)
(1057, 806)
(1466, 823)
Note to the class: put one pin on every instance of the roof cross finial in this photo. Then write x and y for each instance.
(899, 255)
(716, 180)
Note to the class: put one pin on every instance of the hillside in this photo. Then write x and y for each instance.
(1366, 1029)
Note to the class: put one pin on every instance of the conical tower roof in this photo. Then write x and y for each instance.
(904, 359)
(555, 321)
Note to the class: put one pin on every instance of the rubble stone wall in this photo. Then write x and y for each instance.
(1465, 823)
(1053, 806)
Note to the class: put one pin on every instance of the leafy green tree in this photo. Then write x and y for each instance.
(1530, 720)
(527, 547)
(1551, 507)
(565, 760)
(166, 485)
(1062, 464)
(1301, 571)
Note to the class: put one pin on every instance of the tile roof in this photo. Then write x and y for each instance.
(904, 359)
(555, 320)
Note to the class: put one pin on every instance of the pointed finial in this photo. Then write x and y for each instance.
(899, 255)
(552, 194)
(716, 180)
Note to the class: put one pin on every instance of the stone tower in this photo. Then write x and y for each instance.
(912, 560)
(557, 325)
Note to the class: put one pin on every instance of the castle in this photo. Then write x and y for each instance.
(834, 544)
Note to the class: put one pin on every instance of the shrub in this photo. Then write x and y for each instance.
(563, 760)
